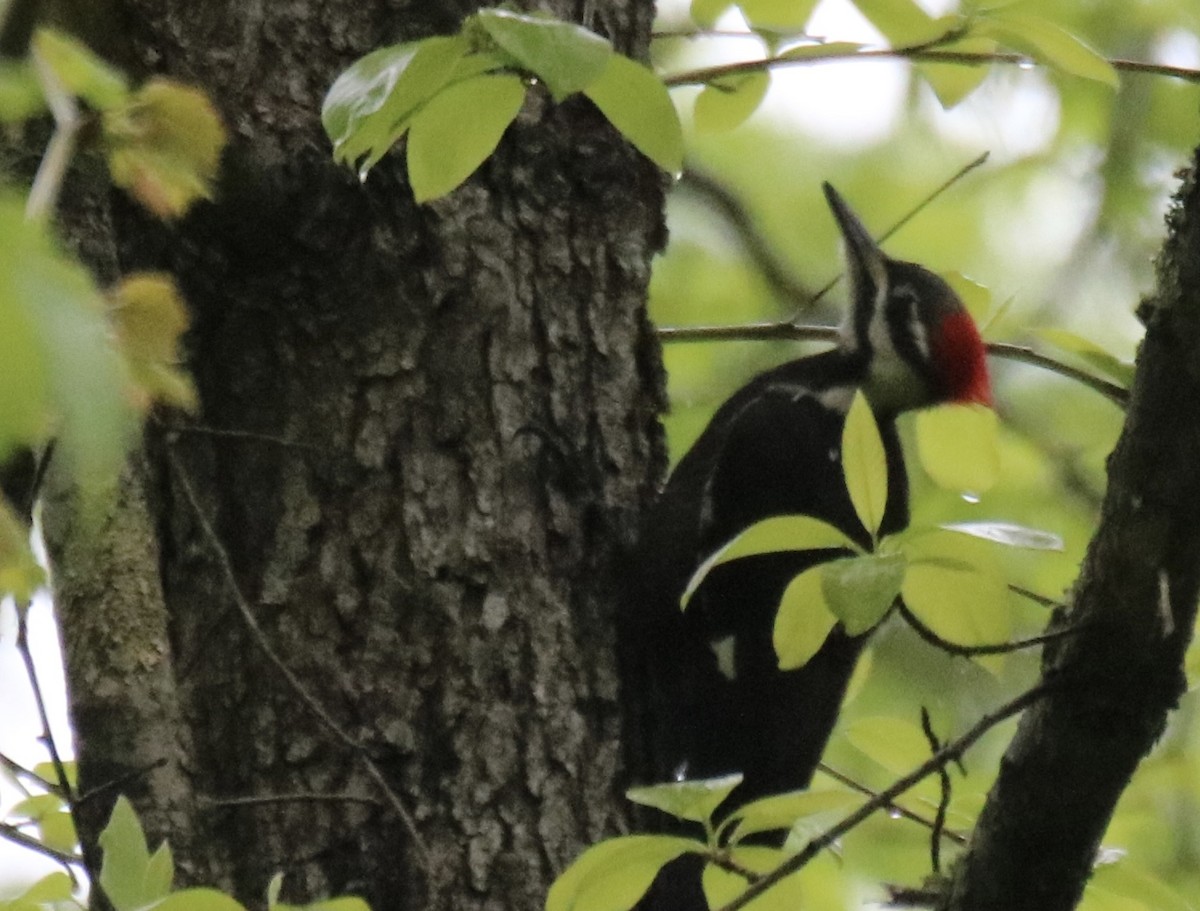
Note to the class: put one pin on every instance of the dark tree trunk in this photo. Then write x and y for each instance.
(427, 433)
(1114, 682)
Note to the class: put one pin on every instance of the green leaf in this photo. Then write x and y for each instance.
(149, 317)
(770, 536)
(1126, 880)
(954, 587)
(817, 51)
(1009, 535)
(721, 886)
(894, 743)
(20, 94)
(199, 900)
(952, 82)
(126, 858)
(370, 105)
(778, 15)
(20, 574)
(727, 103)
(457, 130)
(614, 874)
(567, 57)
(782, 811)
(691, 800)
(976, 298)
(705, 13)
(803, 620)
(48, 772)
(164, 146)
(55, 887)
(903, 22)
(860, 590)
(340, 903)
(636, 102)
(1048, 43)
(81, 72)
(58, 831)
(58, 366)
(864, 464)
(1092, 354)
(160, 871)
(36, 807)
(958, 446)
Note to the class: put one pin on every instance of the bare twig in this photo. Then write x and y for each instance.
(993, 648)
(19, 772)
(16, 836)
(1035, 597)
(264, 645)
(47, 736)
(53, 168)
(939, 820)
(893, 808)
(949, 753)
(709, 74)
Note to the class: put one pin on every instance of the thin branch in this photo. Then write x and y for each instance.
(47, 737)
(892, 808)
(709, 74)
(967, 651)
(52, 170)
(118, 782)
(19, 772)
(11, 833)
(1035, 597)
(788, 331)
(264, 645)
(939, 820)
(951, 752)
(725, 862)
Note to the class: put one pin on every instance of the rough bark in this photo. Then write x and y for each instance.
(425, 438)
(1117, 679)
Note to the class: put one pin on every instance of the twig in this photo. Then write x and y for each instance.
(264, 645)
(949, 753)
(19, 771)
(789, 331)
(898, 809)
(709, 74)
(992, 648)
(727, 863)
(53, 168)
(939, 820)
(11, 833)
(1035, 597)
(118, 782)
(47, 738)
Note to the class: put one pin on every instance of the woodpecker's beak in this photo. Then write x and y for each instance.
(865, 262)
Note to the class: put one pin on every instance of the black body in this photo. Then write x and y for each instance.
(772, 449)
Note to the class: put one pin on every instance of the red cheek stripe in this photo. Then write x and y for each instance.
(962, 359)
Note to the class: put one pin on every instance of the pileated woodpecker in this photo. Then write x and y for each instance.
(712, 699)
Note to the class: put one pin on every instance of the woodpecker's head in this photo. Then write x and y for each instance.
(920, 344)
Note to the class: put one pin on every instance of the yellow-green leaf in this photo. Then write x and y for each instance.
(781, 811)
(817, 51)
(165, 146)
(976, 298)
(149, 317)
(54, 887)
(727, 103)
(960, 603)
(694, 801)
(81, 72)
(903, 22)
(614, 874)
(705, 13)
(864, 464)
(952, 82)
(896, 744)
(199, 900)
(566, 56)
(20, 94)
(636, 102)
(803, 620)
(1093, 355)
(1048, 43)
(58, 831)
(457, 130)
(721, 886)
(778, 15)
(958, 446)
(775, 535)
(859, 591)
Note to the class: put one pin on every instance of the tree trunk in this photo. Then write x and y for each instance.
(354, 622)
(1114, 682)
